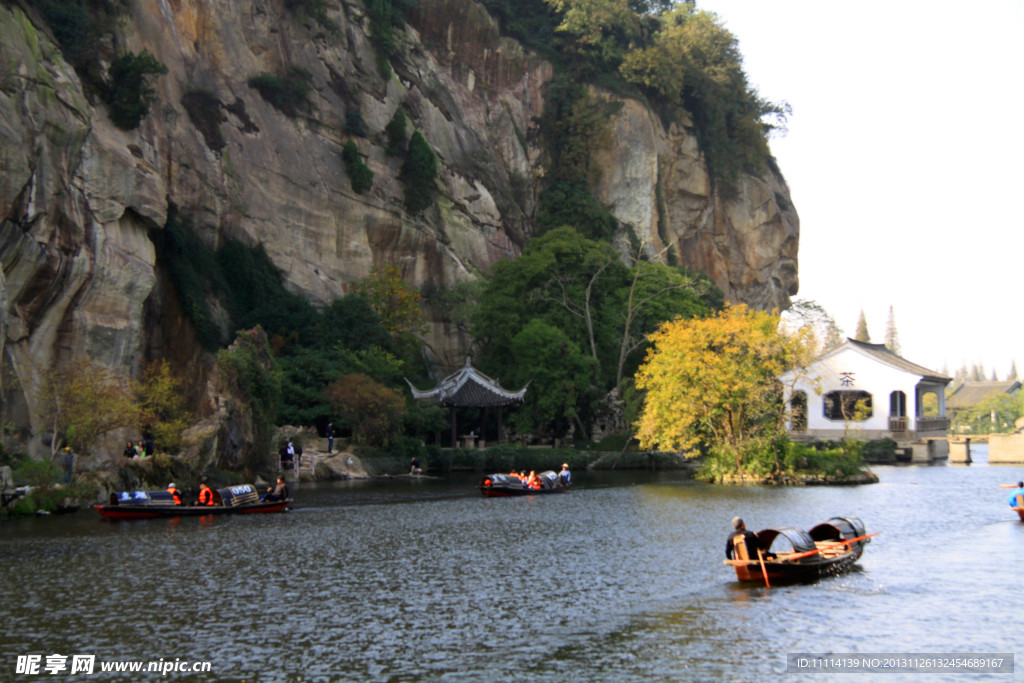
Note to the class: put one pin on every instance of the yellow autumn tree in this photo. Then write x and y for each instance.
(714, 382)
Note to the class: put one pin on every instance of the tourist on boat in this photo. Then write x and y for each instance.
(175, 493)
(533, 481)
(278, 491)
(1019, 491)
(415, 468)
(751, 540)
(205, 495)
(565, 476)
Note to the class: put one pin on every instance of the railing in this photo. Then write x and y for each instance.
(897, 424)
(307, 463)
(932, 424)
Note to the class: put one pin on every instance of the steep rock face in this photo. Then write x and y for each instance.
(81, 201)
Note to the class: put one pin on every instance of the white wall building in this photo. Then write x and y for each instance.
(864, 391)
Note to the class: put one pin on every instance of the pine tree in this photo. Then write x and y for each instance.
(892, 337)
(1012, 375)
(862, 329)
(419, 171)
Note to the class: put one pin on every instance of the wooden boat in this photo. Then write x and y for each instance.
(829, 548)
(501, 485)
(148, 504)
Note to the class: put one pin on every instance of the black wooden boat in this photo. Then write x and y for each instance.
(829, 548)
(148, 504)
(501, 485)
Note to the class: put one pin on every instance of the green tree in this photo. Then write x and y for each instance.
(371, 410)
(129, 93)
(419, 174)
(995, 414)
(714, 382)
(657, 293)
(396, 303)
(862, 334)
(289, 95)
(395, 131)
(805, 313)
(892, 336)
(694, 65)
(162, 404)
(557, 372)
(249, 372)
(81, 402)
(360, 176)
(601, 30)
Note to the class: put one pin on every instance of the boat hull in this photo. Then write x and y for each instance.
(151, 511)
(796, 571)
(830, 548)
(505, 485)
(505, 492)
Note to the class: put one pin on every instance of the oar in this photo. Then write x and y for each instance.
(760, 557)
(800, 556)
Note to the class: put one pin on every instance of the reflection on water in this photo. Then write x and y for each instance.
(620, 579)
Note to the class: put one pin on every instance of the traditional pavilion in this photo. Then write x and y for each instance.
(467, 387)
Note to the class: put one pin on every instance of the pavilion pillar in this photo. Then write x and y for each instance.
(500, 435)
(455, 438)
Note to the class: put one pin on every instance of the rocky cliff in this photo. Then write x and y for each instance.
(81, 200)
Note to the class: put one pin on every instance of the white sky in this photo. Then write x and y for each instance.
(905, 161)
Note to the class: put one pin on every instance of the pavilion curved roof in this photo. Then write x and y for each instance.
(467, 387)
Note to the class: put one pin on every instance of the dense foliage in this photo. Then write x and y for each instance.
(360, 175)
(681, 58)
(419, 173)
(714, 382)
(572, 295)
(288, 94)
(128, 92)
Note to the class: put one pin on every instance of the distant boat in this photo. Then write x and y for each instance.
(503, 485)
(149, 504)
(829, 548)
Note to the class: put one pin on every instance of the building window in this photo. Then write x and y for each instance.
(848, 405)
(897, 404)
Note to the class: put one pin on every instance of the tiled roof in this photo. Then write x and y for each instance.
(973, 393)
(883, 354)
(468, 387)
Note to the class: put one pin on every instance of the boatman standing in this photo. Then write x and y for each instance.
(749, 538)
(565, 476)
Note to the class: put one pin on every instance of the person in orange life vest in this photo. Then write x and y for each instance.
(205, 495)
(533, 482)
(173, 490)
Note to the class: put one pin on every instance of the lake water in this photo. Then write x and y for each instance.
(621, 579)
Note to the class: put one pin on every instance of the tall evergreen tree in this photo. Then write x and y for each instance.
(1012, 375)
(892, 337)
(862, 329)
(419, 171)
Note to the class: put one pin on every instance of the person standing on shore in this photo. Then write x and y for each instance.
(329, 433)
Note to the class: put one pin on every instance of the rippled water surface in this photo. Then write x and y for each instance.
(621, 579)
